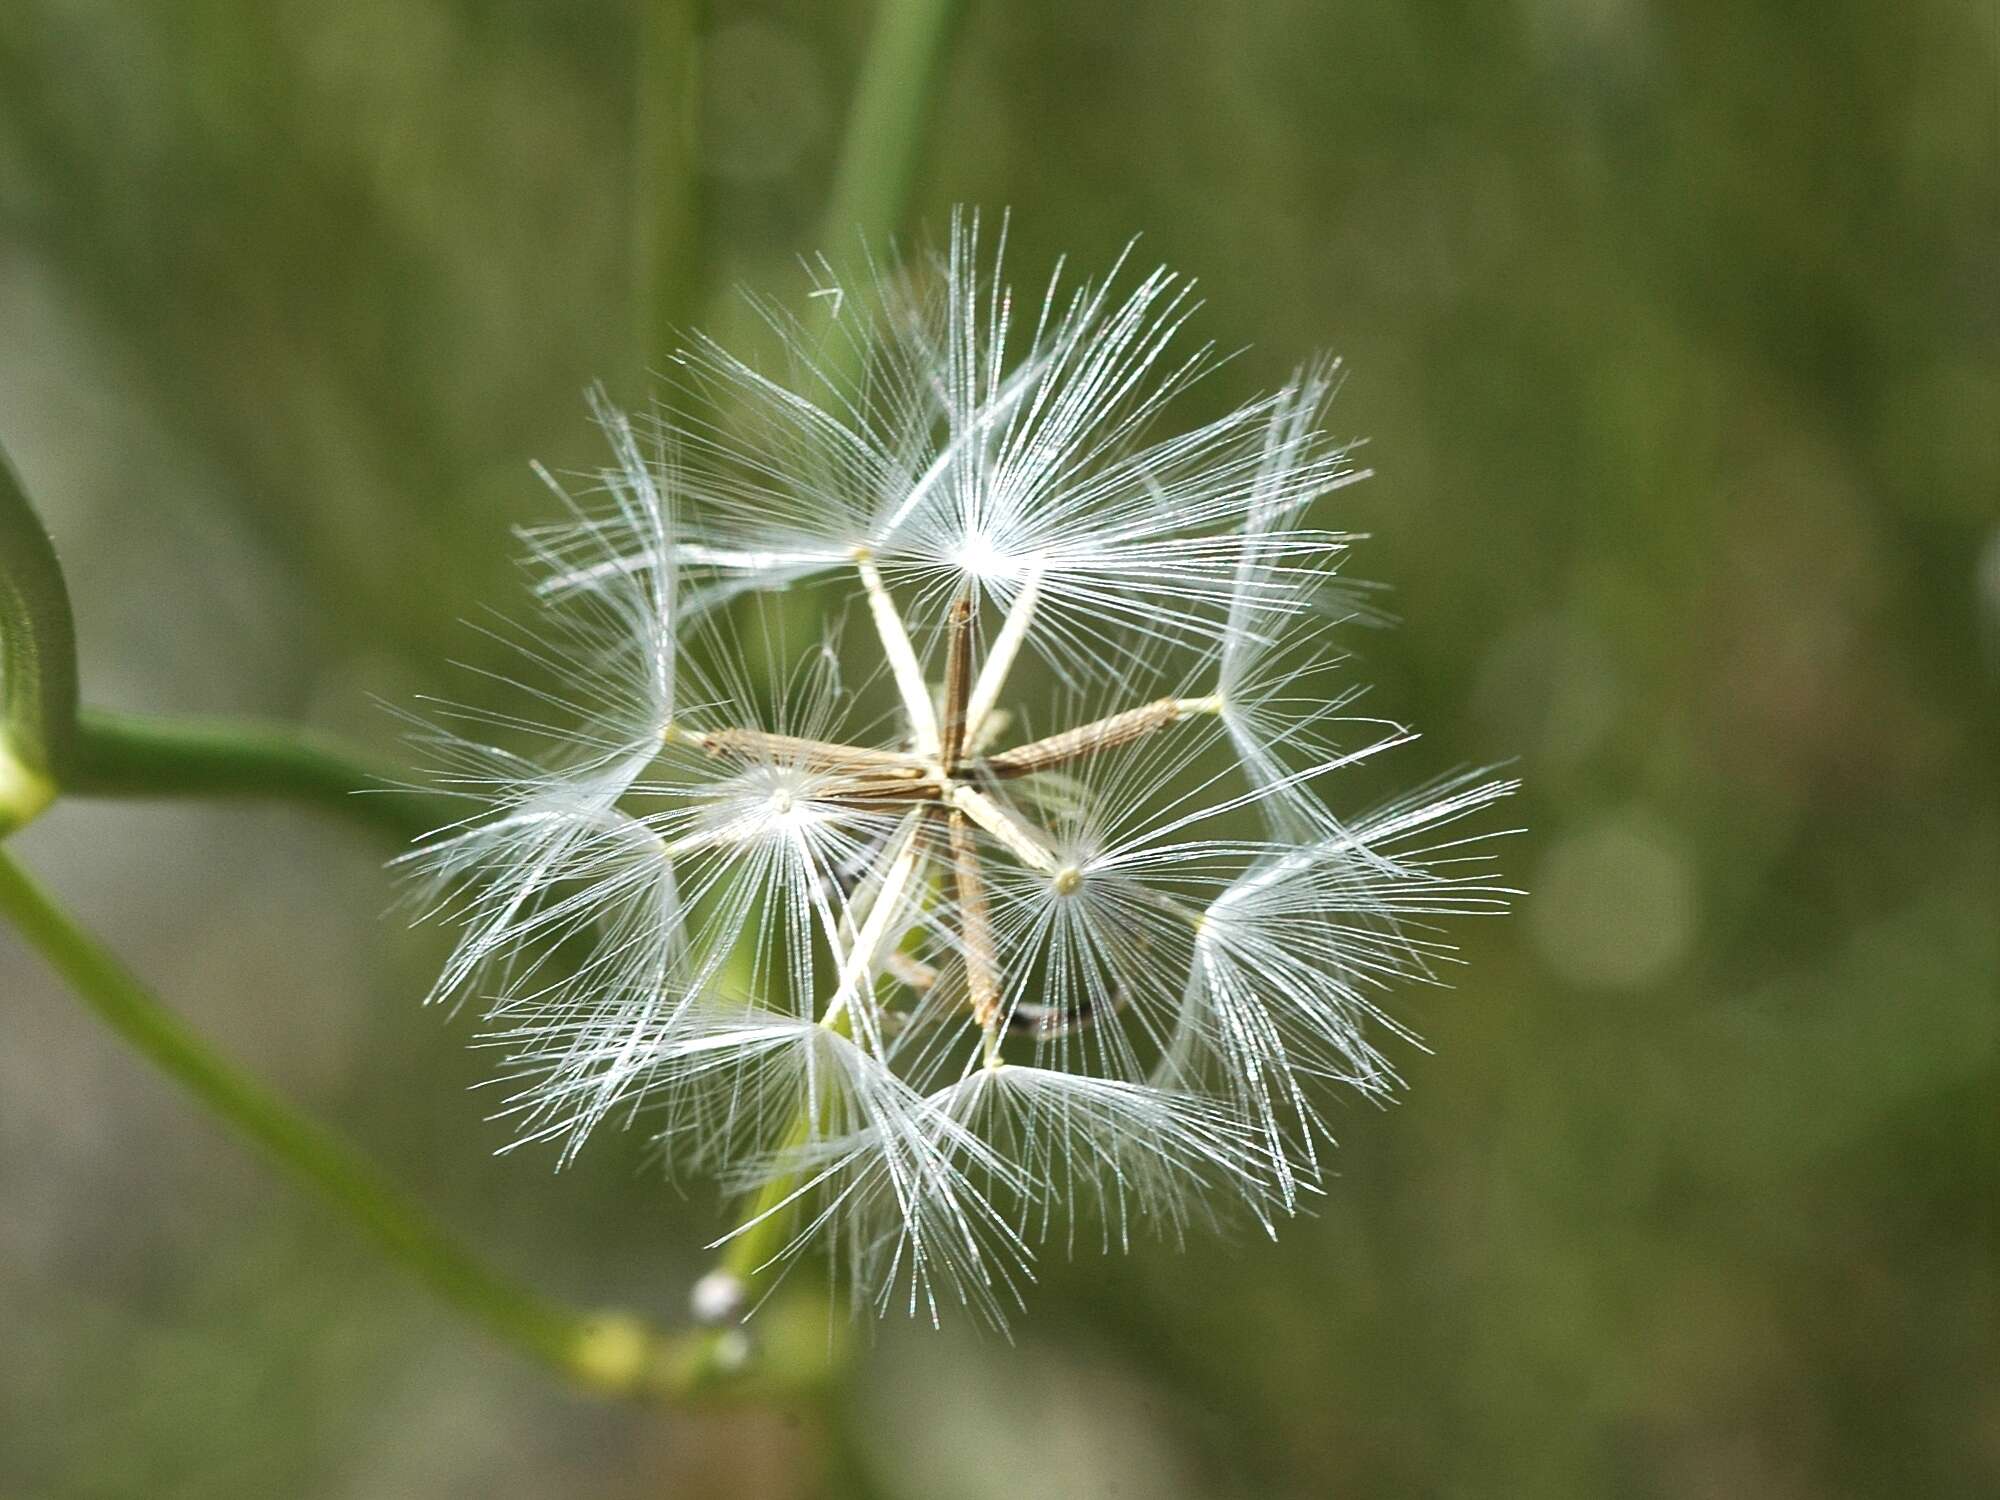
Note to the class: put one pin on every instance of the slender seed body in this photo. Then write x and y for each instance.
(1072, 745)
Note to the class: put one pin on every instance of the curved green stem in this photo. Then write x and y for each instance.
(614, 1353)
(766, 1224)
(37, 659)
(142, 755)
(893, 99)
(767, 1218)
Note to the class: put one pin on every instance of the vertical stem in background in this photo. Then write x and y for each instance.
(761, 1237)
(666, 193)
(37, 659)
(879, 154)
(885, 125)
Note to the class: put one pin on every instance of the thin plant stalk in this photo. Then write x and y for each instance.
(879, 155)
(887, 123)
(146, 755)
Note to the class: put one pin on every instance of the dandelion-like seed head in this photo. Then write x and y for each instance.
(927, 821)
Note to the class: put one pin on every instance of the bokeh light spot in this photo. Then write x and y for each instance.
(1614, 906)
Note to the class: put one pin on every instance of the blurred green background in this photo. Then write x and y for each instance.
(1676, 334)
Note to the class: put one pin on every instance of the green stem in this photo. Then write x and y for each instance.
(884, 141)
(37, 659)
(614, 1353)
(870, 194)
(765, 1213)
(769, 1223)
(666, 192)
(140, 755)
